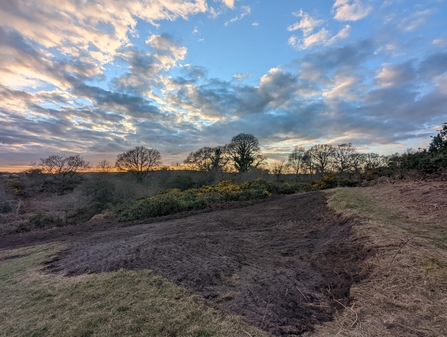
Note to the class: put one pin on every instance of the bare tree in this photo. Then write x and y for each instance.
(344, 154)
(296, 160)
(244, 152)
(322, 155)
(140, 161)
(358, 161)
(104, 166)
(278, 167)
(373, 161)
(208, 159)
(60, 173)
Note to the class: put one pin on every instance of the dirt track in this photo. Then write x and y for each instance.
(283, 265)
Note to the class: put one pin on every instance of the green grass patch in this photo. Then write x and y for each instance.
(123, 303)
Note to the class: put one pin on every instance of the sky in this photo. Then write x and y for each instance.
(98, 78)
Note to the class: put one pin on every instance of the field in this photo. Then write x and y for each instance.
(367, 261)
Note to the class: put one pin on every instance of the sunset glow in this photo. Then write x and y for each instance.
(97, 78)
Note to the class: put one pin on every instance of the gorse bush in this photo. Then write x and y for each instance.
(16, 187)
(174, 200)
(331, 180)
(328, 180)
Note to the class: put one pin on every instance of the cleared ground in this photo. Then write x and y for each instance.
(284, 265)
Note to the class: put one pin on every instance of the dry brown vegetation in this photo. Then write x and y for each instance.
(403, 223)
(406, 292)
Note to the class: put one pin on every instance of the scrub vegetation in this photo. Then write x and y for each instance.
(232, 248)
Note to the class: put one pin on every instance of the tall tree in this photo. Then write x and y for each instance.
(296, 160)
(104, 166)
(322, 155)
(344, 154)
(140, 161)
(244, 152)
(278, 168)
(372, 161)
(60, 173)
(208, 159)
(439, 142)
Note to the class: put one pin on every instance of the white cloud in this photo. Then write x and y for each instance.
(440, 43)
(228, 3)
(317, 38)
(307, 23)
(240, 77)
(255, 24)
(350, 10)
(245, 11)
(415, 20)
(341, 35)
(93, 30)
(345, 87)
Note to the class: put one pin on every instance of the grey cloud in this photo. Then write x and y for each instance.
(194, 72)
(131, 105)
(320, 65)
(434, 65)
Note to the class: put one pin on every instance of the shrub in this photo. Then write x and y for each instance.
(100, 189)
(84, 213)
(328, 180)
(39, 221)
(182, 183)
(16, 187)
(175, 200)
(5, 208)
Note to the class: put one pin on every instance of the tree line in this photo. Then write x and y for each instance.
(242, 154)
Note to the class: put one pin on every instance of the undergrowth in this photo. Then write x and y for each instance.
(174, 200)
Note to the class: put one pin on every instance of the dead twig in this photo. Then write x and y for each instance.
(402, 246)
(265, 312)
(302, 294)
(247, 333)
(352, 310)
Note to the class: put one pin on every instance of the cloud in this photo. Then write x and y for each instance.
(440, 43)
(54, 57)
(255, 24)
(415, 20)
(434, 65)
(239, 77)
(246, 10)
(350, 10)
(393, 75)
(307, 24)
(341, 35)
(228, 3)
(308, 41)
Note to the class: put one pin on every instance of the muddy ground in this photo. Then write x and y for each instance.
(284, 265)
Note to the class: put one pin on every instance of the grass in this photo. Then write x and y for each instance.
(123, 303)
(406, 292)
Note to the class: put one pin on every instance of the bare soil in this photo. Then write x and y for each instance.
(284, 265)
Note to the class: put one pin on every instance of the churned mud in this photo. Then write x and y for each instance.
(284, 265)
